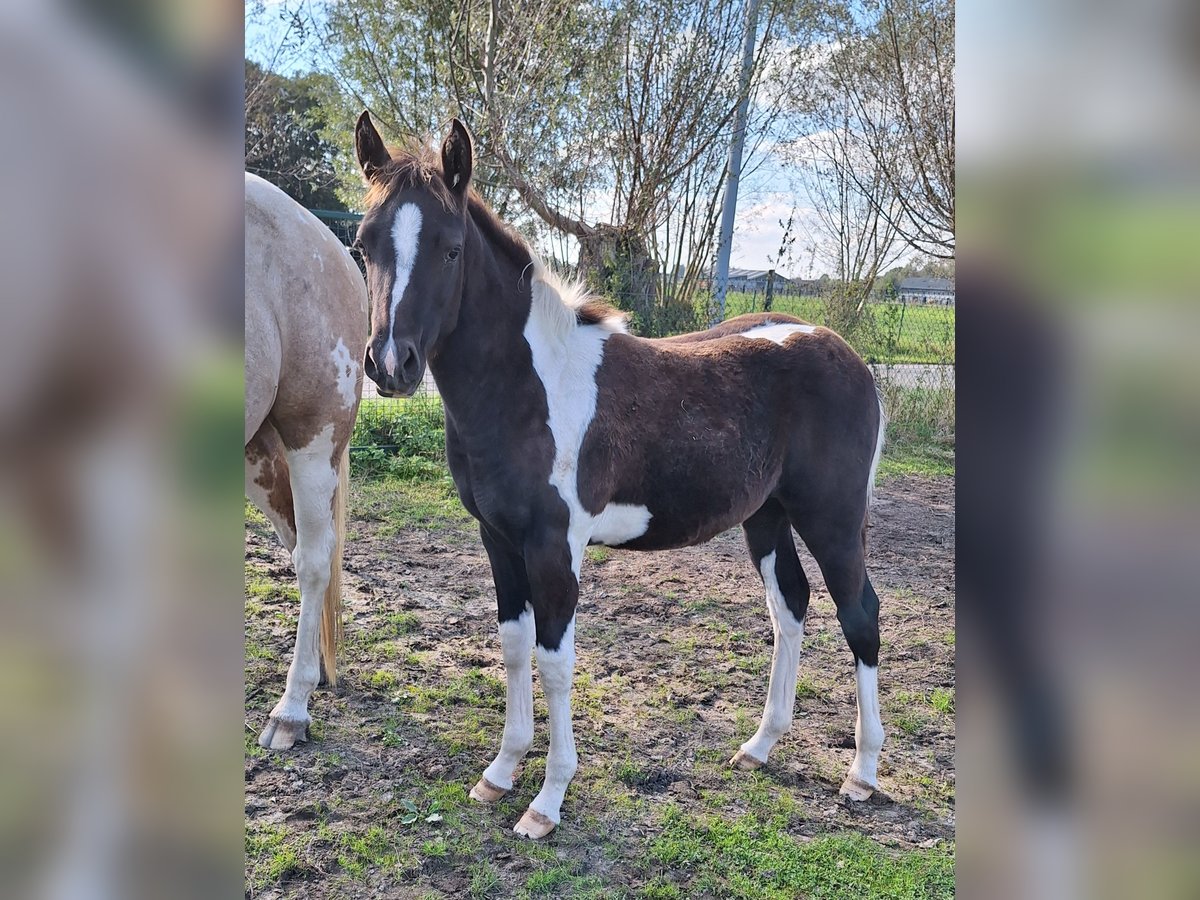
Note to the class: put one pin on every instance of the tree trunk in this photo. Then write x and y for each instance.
(616, 262)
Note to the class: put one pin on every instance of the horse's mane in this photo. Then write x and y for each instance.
(416, 164)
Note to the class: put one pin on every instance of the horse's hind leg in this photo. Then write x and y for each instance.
(314, 471)
(268, 482)
(769, 539)
(839, 552)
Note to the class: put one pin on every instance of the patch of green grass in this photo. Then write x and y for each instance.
(400, 504)
(372, 849)
(254, 516)
(271, 857)
(383, 680)
(263, 588)
(942, 699)
(755, 858)
(485, 881)
(598, 554)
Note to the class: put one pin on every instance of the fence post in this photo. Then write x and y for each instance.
(770, 294)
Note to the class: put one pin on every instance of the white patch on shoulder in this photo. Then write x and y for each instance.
(320, 260)
(406, 229)
(565, 358)
(777, 331)
(347, 379)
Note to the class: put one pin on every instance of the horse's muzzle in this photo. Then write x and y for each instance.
(404, 373)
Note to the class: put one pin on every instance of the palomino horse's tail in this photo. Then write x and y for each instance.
(331, 613)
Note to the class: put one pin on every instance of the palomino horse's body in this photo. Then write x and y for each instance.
(563, 430)
(306, 314)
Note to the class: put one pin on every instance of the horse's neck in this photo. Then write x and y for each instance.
(486, 359)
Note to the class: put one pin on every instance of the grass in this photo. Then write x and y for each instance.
(889, 332)
(755, 858)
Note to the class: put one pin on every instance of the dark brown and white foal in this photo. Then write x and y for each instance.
(562, 430)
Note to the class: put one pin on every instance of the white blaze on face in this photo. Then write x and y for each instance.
(406, 229)
(777, 332)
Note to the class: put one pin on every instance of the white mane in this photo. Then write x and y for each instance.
(556, 303)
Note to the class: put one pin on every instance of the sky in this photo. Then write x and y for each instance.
(762, 206)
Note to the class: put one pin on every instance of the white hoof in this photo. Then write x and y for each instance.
(282, 734)
(486, 792)
(856, 789)
(747, 763)
(534, 825)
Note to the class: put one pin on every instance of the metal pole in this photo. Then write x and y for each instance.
(725, 246)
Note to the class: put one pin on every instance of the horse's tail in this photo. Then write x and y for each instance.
(331, 613)
(878, 447)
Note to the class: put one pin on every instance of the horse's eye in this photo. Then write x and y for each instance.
(452, 255)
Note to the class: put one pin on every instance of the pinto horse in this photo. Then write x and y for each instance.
(563, 430)
(306, 306)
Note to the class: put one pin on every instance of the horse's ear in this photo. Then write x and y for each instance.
(369, 147)
(457, 158)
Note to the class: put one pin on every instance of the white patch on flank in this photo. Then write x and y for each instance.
(785, 661)
(347, 379)
(777, 331)
(868, 729)
(406, 229)
(314, 480)
(319, 259)
(566, 356)
(556, 669)
(516, 642)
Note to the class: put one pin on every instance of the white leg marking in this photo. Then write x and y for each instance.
(785, 661)
(314, 480)
(776, 332)
(516, 640)
(406, 229)
(556, 668)
(347, 374)
(868, 735)
(565, 358)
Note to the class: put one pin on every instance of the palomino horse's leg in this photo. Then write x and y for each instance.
(842, 562)
(314, 481)
(769, 539)
(555, 589)
(516, 641)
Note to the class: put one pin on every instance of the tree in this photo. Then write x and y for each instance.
(892, 66)
(283, 140)
(576, 107)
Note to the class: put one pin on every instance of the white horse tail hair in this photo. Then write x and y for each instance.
(878, 447)
(331, 612)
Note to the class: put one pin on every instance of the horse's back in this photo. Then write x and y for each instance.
(306, 304)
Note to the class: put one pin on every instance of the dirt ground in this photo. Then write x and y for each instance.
(673, 654)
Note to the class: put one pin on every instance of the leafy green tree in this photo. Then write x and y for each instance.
(284, 142)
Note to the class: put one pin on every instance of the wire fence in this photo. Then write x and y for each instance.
(909, 343)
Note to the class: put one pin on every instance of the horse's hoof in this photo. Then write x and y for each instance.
(282, 734)
(533, 825)
(486, 792)
(856, 789)
(747, 763)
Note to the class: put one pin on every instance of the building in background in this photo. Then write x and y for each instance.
(939, 291)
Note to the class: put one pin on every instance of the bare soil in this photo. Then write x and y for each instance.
(673, 655)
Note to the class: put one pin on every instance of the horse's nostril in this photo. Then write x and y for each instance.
(410, 366)
(369, 367)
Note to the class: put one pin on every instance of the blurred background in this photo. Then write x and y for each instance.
(121, 726)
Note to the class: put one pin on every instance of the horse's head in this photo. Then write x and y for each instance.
(412, 240)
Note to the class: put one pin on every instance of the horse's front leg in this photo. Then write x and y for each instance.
(516, 641)
(554, 587)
